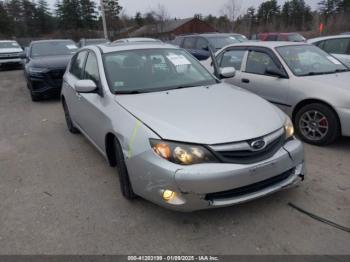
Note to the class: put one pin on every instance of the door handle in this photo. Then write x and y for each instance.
(245, 80)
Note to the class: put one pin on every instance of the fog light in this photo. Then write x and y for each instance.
(168, 195)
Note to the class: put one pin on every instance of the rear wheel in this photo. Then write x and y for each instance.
(317, 124)
(69, 121)
(125, 184)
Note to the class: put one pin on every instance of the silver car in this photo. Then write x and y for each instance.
(337, 45)
(178, 136)
(310, 85)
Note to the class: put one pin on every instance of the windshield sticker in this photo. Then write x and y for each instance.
(118, 83)
(178, 60)
(71, 47)
(333, 60)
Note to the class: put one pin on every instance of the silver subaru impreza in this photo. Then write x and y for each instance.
(178, 136)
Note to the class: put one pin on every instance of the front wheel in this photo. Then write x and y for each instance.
(317, 124)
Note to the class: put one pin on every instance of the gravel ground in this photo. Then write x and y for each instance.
(59, 196)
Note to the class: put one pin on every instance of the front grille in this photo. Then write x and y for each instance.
(54, 77)
(9, 55)
(243, 153)
(241, 191)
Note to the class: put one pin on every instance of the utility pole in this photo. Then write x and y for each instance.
(105, 33)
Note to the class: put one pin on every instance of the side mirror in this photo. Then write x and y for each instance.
(85, 86)
(227, 72)
(271, 71)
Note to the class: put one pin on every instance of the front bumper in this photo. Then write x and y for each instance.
(344, 116)
(197, 184)
(44, 84)
(11, 61)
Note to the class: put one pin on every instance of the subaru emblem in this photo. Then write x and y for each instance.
(258, 144)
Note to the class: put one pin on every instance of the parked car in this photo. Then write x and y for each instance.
(289, 37)
(178, 136)
(10, 53)
(91, 41)
(135, 40)
(337, 45)
(303, 80)
(346, 33)
(46, 61)
(199, 45)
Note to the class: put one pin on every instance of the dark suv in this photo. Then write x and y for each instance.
(198, 45)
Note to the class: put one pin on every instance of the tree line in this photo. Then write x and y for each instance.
(78, 18)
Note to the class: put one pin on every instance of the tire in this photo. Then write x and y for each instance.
(69, 121)
(323, 127)
(125, 184)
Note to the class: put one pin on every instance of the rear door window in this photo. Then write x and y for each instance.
(202, 44)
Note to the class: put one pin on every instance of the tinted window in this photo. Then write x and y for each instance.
(189, 43)
(232, 58)
(202, 44)
(337, 46)
(220, 42)
(77, 66)
(258, 62)
(91, 68)
(53, 48)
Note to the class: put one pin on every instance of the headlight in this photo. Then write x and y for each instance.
(289, 128)
(182, 154)
(37, 71)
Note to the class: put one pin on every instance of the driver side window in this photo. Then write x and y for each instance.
(259, 62)
(232, 58)
(91, 69)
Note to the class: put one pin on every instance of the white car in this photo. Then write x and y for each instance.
(337, 45)
(10, 52)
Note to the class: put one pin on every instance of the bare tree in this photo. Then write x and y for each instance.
(231, 10)
(162, 15)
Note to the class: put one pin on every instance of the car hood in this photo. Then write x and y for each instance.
(207, 115)
(50, 61)
(10, 50)
(339, 80)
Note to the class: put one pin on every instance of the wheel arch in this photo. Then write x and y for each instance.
(312, 101)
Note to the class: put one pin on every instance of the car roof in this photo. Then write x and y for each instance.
(51, 40)
(313, 40)
(122, 46)
(271, 44)
(210, 34)
(136, 39)
(7, 41)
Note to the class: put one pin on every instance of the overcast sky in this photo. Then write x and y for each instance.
(187, 8)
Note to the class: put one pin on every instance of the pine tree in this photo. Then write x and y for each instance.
(88, 14)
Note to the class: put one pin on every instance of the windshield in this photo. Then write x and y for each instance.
(53, 48)
(306, 60)
(95, 41)
(220, 42)
(154, 70)
(11, 44)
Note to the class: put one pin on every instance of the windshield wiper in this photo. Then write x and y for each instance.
(341, 70)
(132, 92)
(318, 73)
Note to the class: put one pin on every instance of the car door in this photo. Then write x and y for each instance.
(202, 49)
(92, 118)
(338, 47)
(75, 73)
(255, 77)
(233, 57)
